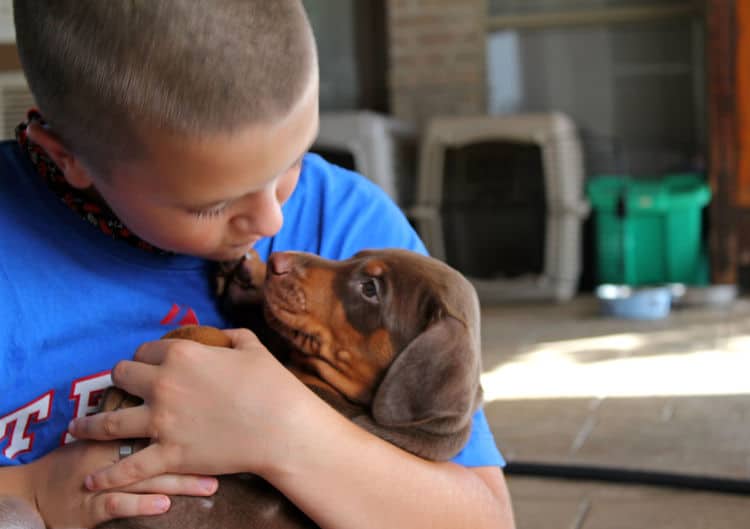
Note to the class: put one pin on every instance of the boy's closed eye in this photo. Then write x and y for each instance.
(219, 208)
(211, 211)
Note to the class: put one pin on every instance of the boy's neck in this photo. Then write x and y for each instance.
(87, 203)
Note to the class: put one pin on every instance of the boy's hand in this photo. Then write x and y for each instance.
(207, 410)
(63, 501)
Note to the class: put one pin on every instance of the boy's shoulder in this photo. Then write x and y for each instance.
(317, 172)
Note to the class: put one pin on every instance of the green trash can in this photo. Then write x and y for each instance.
(649, 231)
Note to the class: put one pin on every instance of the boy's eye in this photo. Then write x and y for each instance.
(210, 212)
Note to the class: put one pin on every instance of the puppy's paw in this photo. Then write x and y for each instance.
(204, 334)
(115, 399)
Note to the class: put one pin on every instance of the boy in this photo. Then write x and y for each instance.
(171, 134)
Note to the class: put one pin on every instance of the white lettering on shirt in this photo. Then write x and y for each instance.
(86, 392)
(15, 425)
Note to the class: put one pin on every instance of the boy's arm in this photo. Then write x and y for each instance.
(265, 421)
(337, 473)
(347, 475)
(343, 476)
(15, 482)
(52, 485)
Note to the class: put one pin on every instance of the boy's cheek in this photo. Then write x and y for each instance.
(287, 185)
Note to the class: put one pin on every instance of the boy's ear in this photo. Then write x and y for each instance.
(70, 165)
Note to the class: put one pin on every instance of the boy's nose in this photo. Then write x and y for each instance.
(260, 216)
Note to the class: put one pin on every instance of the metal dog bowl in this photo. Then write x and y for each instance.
(641, 303)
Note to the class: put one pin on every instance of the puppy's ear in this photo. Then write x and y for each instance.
(433, 384)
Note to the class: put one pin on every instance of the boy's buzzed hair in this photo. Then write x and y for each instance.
(103, 72)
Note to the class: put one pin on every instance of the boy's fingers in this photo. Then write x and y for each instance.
(111, 505)
(177, 485)
(142, 465)
(136, 378)
(151, 352)
(242, 338)
(156, 353)
(129, 423)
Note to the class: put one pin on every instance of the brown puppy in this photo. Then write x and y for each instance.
(389, 338)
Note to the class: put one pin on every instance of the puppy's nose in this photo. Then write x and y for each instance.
(280, 263)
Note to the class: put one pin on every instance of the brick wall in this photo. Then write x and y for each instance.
(437, 58)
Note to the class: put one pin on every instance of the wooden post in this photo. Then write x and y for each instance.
(724, 107)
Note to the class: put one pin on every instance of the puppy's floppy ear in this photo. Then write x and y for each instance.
(433, 384)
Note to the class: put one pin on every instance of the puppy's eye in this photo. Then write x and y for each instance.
(369, 289)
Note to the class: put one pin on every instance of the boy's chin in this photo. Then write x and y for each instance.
(223, 253)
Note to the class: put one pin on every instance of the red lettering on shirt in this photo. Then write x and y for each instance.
(171, 315)
(190, 318)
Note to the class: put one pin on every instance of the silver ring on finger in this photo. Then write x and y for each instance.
(126, 449)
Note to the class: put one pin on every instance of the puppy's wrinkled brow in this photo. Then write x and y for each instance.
(405, 309)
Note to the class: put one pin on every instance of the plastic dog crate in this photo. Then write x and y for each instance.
(382, 148)
(565, 207)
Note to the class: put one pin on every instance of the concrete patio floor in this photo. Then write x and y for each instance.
(565, 385)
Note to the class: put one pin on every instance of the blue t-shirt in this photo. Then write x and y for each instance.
(74, 302)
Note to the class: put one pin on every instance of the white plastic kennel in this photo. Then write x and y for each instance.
(566, 207)
(373, 140)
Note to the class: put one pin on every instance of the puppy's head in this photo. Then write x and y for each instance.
(391, 330)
